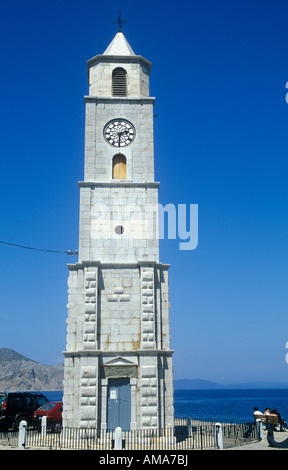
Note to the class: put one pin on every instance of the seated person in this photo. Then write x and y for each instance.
(282, 422)
(257, 413)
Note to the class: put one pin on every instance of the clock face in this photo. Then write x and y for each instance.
(119, 132)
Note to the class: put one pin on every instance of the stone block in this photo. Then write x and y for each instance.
(152, 401)
(88, 412)
(147, 327)
(124, 298)
(147, 293)
(148, 392)
(154, 420)
(88, 391)
(90, 276)
(147, 309)
(147, 276)
(89, 308)
(149, 411)
(89, 327)
(118, 290)
(148, 371)
(89, 292)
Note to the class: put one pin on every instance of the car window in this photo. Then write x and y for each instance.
(15, 402)
(41, 401)
(30, 401)
(47, 406)
(2, 397)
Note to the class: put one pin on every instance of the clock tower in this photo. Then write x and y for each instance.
(118, 361)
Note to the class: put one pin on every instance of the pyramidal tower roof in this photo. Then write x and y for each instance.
(119, 46)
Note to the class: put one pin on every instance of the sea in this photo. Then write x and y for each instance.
(210, 405)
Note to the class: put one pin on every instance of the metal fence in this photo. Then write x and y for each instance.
(240, 433)
(185, 435)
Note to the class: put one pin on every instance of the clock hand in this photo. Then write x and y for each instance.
(120, 135)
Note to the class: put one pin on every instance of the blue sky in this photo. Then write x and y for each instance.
(219, 74)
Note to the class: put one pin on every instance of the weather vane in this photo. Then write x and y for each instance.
(120, 21)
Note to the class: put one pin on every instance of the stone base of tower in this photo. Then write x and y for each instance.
(132, 389)
(118, 362)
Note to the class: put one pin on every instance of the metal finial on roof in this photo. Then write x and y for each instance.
(120, 21)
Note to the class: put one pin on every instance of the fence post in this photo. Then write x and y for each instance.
(218, 436)
(43, 426)
(189, 426)
(22, 434)
(118, 439)
(259, 428)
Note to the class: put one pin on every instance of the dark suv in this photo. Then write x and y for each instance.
(18, 406)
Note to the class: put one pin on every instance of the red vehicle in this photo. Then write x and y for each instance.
(53, 411)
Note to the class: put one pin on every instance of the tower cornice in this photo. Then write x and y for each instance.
(137, 352)
(98, 264)
(122, 99)
(121, 183)
(118, 59)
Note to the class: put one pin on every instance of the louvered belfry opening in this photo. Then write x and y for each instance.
(119, 82)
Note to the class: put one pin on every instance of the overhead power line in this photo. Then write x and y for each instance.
(69, 252)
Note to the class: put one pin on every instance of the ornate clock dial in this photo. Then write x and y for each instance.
(119, 132)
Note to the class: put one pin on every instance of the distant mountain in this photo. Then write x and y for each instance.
(197, 384)
(19, 373)
(258, 386)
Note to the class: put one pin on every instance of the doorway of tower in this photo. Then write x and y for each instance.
(119, 404)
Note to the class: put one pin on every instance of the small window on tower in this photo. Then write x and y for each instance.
(119, 167)
(119, 82)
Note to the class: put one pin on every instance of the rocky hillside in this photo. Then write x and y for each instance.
(19, 373)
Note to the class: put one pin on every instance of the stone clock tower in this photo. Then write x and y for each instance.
(118, 362)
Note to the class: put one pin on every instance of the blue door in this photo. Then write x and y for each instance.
(119, 404)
